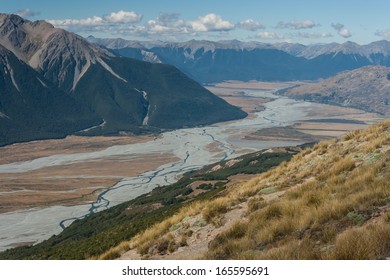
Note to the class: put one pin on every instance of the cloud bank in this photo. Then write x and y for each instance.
(385, 33)
(114, 18)
(129, 23)
(171, 26)
(270, 36)
(250, 24)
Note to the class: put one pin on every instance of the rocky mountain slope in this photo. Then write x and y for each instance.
(113, 93)
(208, 61)
(367, 88)
(30, 108)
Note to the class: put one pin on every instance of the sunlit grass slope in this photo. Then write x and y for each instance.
(331, 201)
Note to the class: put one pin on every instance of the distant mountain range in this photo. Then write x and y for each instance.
(53, 83)
(366, 88)
(208, 61)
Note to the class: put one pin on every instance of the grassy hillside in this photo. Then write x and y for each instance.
(99, 232)
(331, 201)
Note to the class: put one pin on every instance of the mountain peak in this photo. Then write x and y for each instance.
(82, 84)
(39, 44)
(11, 18)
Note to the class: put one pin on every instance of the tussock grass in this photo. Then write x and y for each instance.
(328, 209)
(333, 191)
(215, 209)
(364, 243)
(256, 203)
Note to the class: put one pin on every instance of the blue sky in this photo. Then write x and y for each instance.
(299, 21)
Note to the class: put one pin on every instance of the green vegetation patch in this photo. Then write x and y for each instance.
(268, 190)
(356, 218)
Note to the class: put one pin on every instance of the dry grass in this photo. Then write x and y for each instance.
(321, 214)
(364, 243)
(337, 195)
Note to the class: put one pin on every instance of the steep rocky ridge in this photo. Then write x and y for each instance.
(31, 108)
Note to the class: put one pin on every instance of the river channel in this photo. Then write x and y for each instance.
(190, 145)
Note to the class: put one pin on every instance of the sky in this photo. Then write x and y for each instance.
(271, 21)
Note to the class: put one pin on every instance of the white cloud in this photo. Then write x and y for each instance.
(165, 23)
(297, 24)
(250, 24)
(270, 36)
(313, 35)
(125, 23)
(91, 23)
(168, 17)
(210, 22)
(291, 36)
(155, 26)
(385, 33)
(169, 24)
(341, 30)
(26, 13)
(123, 17)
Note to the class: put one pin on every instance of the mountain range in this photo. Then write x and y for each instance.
(208, 61)
(54, 83)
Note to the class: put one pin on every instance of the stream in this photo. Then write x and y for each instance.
(189, 145)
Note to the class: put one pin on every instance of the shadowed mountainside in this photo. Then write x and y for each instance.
(210, 62)
(54, 83)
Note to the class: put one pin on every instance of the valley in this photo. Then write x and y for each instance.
(83, 175)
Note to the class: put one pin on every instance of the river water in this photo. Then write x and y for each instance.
(189, 145)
